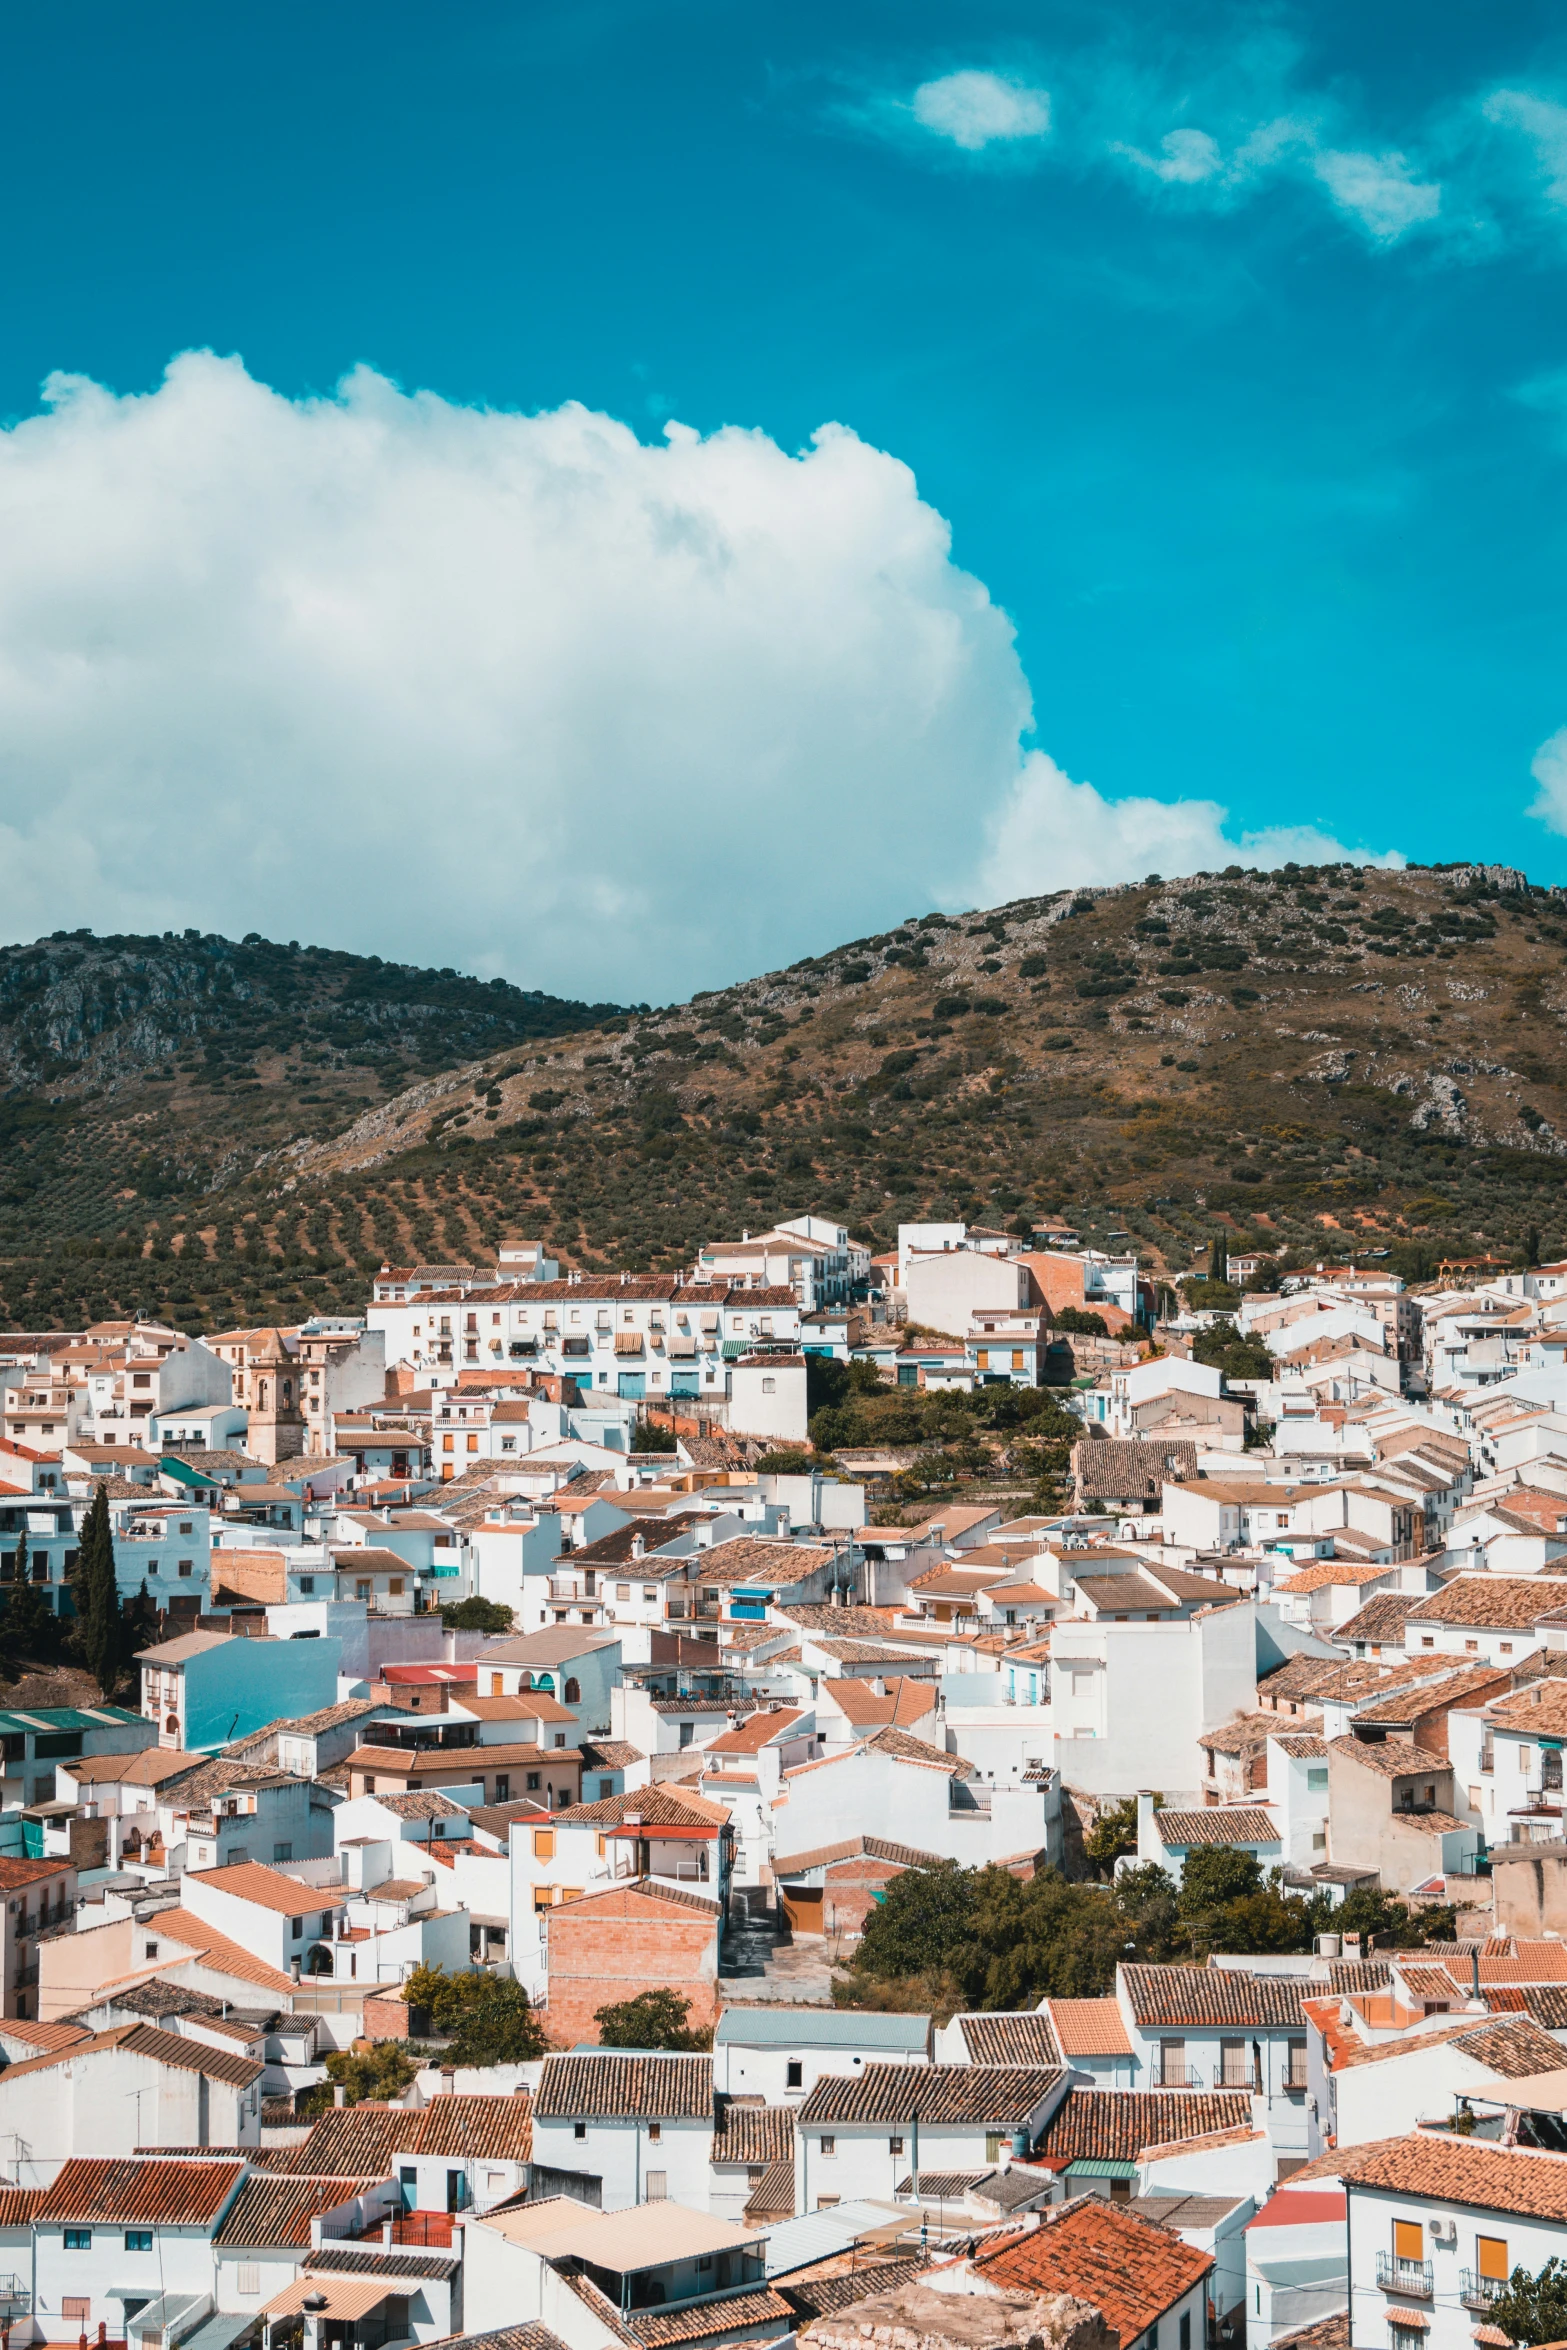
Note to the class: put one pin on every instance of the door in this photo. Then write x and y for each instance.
(632, 1384)
(803, 1909)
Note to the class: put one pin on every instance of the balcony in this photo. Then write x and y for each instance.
(1477, 2292)
(1175, 2073)
(1404, 2276)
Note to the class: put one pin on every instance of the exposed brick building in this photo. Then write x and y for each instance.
(636, 1937)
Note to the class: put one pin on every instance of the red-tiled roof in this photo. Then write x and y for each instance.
(139, 2190)
(1121, 2263)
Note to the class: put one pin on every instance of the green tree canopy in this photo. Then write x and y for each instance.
(477, 1615)
(378, 2072)
(654, 2019)
(490, 2019)
(1533, 2308)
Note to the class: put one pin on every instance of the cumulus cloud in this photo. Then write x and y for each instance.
(517, 693)
(971, 109)
(1549, 769)
(1052, 833)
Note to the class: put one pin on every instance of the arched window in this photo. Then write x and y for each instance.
(573, 1692)
(262, 1391)
(288, 1391)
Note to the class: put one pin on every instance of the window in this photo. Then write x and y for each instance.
(894, 2145)
(149, 1950)
(78, 2239)
(650, 1591)
(769, 1387)
(296, 1929)
(579, 2129)
(994, 2141)
(1491, 2259)
(1409, 2240)
(247, 2277)
(829, 2148)
(1317, 1782)
(282, 1852)
(1186, 2329)
(543, 1838)
(307, 1584)
(533, 1782)
(794, 2074)
(138, 2239)
(655, 2131)
(606, 1790)
(78, 2312)
(572, 1693)
(687, 1733)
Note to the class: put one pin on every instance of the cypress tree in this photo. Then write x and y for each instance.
(98, 1598)
(1219, 1262)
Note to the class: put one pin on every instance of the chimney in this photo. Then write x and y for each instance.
(448, 2086)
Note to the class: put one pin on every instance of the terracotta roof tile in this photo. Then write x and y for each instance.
(1089, 2027)
(999, 2096)
(1232, 1824)
(1170, 1996)
(1119, 2262)
(278, 2211)
(1021, 2039)
(753, 2134)
(139, 2190)
(660, 2088)
(1464, 2170)
(1114, 2125)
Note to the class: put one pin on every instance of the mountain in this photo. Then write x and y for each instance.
(1314, 1059)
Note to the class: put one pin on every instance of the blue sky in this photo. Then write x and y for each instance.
(1229, 342)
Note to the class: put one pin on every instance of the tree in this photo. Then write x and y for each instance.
(30, 1630)
(1112, 1835)
(477, 1615)
(1087, 1325)
(1219, 1259)
(1533, 2308)
(786, 1461)
(138, 1623)
(1225, 1349)
(489, 2019)
(653, 2019)
(380, 2071)
(99, 1629)
(652, 1436)
(923, 1921)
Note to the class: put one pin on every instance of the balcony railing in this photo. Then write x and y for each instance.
(1175, 2073)
(1477, 2292)
(1239, 2076)
(1404, 2276)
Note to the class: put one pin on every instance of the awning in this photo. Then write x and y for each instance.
(346, 2297)
(628, 1342)
(681, 1347)
(1098, 2166)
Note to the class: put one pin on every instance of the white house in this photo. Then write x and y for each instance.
(624, 2128)
(1437, 2225)
(859, 2135)
(780, 2053)
(114, 2239)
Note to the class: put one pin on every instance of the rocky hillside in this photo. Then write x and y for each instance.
(1313, 1059)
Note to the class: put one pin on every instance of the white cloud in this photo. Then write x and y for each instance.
(1542, 122)
(516, 693)
(1185, 158)
(1379, 190)
(1052, 833)
(972, 109)
(1549, 769)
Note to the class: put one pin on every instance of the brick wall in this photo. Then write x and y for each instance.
(849, 1888)
(613, 1945)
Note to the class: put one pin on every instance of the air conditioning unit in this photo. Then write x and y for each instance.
(1444, 2231)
